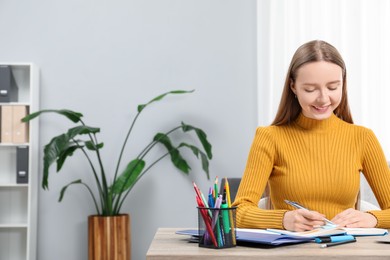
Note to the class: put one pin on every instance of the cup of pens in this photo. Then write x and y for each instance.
(216, 217)
(217, 227)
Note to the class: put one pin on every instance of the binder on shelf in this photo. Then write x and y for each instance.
(6, 124)
(22, 164)
(8, 87)
(19, 128)
(12, 129)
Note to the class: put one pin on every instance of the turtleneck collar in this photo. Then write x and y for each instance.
(317, 125)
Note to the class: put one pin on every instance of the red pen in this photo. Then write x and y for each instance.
(197, 190)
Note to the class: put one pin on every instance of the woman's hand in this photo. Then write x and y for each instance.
(302, 220)
(354, 218)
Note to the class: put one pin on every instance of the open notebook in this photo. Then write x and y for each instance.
(330, 231)
(277, 237)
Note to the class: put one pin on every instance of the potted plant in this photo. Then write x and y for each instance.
(109, 196)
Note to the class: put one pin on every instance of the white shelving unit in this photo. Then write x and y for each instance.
(18, 202)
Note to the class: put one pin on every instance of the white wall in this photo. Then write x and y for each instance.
(103, 58)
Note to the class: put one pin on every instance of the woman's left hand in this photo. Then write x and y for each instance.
(355, 219)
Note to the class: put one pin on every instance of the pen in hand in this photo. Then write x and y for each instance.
(298, 206)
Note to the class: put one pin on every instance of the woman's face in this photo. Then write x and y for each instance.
(318, 88)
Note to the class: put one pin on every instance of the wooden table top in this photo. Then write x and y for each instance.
(168, 245)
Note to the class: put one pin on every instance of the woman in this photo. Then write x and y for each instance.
(313, 153)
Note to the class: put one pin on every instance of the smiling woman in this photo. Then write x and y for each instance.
(313, 153)
(359, 29)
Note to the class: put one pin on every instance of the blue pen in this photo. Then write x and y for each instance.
(211, 198)
(333, 239)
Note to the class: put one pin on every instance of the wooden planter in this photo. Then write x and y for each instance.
(109, 238)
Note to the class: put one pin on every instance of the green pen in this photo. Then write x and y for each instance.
(225, 219)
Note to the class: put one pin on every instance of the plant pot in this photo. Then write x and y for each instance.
(109, 237)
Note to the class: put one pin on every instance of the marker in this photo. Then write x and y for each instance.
(225, 219)
(298, 206)
(337, 243)
(334, 239)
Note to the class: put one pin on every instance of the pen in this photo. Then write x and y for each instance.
(199, 194)
(215, 220)
(298, 206)
(334, 239)
(337, 243)
(217, 206)
(211, 198)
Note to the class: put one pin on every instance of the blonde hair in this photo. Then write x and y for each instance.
(312, 51)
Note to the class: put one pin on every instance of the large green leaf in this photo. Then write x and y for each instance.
(129, 176)
(60, 147)
(62, 193)
(142, 106)
(203, 157)
(66, 152)
(82, 130)
(176, 157)
(92, 146)
(71, 115)
(202, 138)
(50, 153)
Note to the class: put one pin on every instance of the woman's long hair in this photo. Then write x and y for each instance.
(313, 51)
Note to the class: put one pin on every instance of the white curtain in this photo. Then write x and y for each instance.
(359, 29)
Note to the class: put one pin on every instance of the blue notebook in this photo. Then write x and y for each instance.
(271, 239)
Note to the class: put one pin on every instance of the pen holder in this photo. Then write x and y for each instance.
(217, 227)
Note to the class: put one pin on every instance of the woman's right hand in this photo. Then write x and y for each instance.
(302, 220)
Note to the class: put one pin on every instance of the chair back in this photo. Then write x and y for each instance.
(233, 186)
(234, 183)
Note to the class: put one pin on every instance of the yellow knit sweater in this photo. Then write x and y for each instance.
(316, 163)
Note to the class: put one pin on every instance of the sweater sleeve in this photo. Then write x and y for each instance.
(258, 169)
(377, 173)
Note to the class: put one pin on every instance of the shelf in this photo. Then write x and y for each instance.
(14, 104)
(12, 225)
(13, 185)
(13, 145)
(18, 202)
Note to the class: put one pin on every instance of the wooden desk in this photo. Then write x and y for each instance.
(167, 245)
